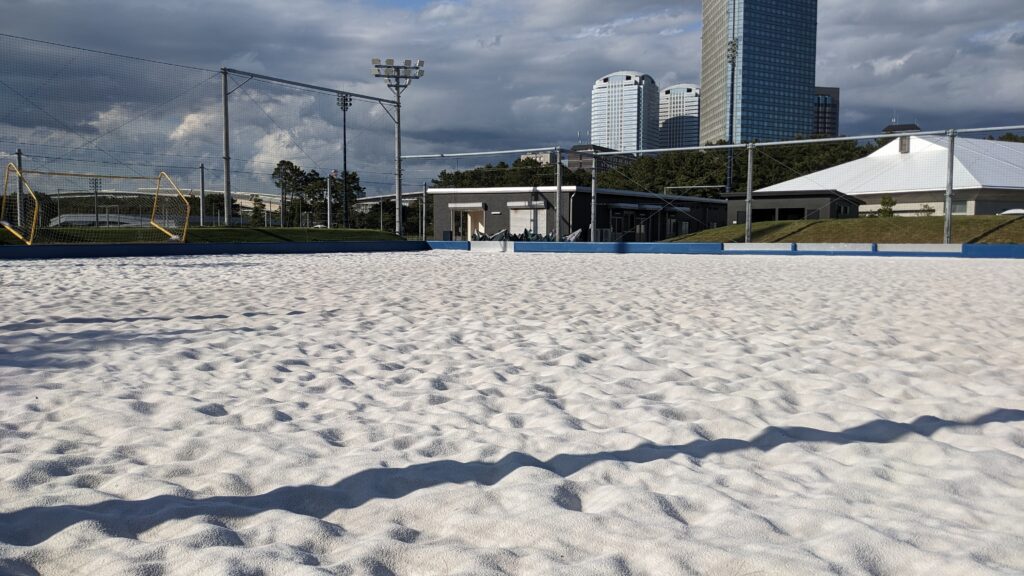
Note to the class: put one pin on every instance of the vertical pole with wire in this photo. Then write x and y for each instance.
(399, 229)
(749, 225)
(202, 195)
(947, 233)
(399, 77)
(732, 54)
(593, 198)
(329, 178)
(20, 190)
(558, 194)
(227, 148)
(423, 214)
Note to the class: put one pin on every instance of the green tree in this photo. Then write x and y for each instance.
(886, 207)
(259, 210)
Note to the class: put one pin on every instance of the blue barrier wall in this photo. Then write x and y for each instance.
(1015, 251)
(618, 247)
(447, 245)
(50, 251)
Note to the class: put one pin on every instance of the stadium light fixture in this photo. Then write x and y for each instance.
(398, 77)
(345, 102)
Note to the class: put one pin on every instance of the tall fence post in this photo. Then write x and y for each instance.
(947, 232)
(593, 198)
(749, 224)
(423, 214)
(202, 195)
(21, 190)
(558, 195)
(329, 201)
(227, 149)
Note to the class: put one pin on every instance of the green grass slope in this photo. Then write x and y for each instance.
(928, 230)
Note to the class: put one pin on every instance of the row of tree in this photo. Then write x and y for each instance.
(304, 195)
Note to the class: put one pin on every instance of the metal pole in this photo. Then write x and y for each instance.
(329, 201)
(227, 149)
(749, 228)
(21, 190)
(95, 183)
(399, 228)
(344, 164)
(202, 195)
(732, 54)
(423, 214)
(558, 195)
(593, 199)
(381, 215)
(280, 222)
(947, 233)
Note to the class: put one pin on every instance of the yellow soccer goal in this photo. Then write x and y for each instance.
(74, 208)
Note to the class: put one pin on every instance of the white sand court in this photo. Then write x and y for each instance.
(512, 414)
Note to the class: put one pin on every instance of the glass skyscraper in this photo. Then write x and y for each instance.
(774, 46)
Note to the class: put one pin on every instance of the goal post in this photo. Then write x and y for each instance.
(77, 207)
(16, 216)
(154, 216)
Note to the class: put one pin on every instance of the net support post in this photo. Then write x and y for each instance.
(227, 148)
(748, 224)
(558, 194)
(202, 195)
(329, 177)
(947, 229)
(21, 191)
(593, 198)
(423, 214)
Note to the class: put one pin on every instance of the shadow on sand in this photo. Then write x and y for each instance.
(128, 518)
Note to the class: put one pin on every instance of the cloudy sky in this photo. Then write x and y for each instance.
(514, 73)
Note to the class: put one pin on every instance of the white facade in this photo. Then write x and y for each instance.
(680, 116)
(624, 112)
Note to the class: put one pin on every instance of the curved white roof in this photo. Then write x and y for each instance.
(977, 164)
(623, 74)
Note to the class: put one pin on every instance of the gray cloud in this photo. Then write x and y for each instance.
(499, 74)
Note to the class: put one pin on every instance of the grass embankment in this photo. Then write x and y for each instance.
(926, 230)
(197, 235)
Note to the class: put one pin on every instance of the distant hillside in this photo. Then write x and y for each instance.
(966, 230)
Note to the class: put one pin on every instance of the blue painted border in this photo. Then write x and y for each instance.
(447, 245)
(51, 251)
(618, 248)
(1015, 251)
(1009, 251)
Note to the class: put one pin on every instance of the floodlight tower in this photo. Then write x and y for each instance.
(344, 102)
(398, 77)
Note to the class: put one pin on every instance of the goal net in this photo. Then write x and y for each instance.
(72, 208)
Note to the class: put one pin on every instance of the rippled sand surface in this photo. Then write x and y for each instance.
(456, 413)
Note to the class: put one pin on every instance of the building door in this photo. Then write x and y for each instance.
(529, 220)
(466, 223)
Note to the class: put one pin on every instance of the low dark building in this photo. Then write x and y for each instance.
(530, 213)
(798, 205)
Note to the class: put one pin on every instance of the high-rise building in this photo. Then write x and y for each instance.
(680, 116)
(624, 112)
(826, 111)
(757, 69)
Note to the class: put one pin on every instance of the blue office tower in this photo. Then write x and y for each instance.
(761, 54)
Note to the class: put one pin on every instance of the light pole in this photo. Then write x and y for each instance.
(732, 53)
(399, 77)
(344, 102)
